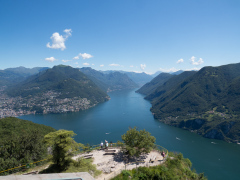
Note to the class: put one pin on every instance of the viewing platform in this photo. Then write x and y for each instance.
(54, 176)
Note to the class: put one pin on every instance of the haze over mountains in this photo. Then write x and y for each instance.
(139, 78)
(109, 81)
(204, 101)
(12, 76)
(58, 90)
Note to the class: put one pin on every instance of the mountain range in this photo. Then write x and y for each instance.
(206, 101)
(151, 86)
(139, 78)
(59, 89)
(173, 73)
(109, 81)
(65, 80)
(11, 76)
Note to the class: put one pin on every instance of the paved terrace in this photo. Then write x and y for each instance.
(57, 176)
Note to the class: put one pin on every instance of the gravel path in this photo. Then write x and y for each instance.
(111, 164)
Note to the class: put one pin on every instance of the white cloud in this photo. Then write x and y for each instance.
(68, 32)
(76, 57)
(137, 71)
(101, 65)
(58, 41)
(85, 55)
(141, 72)
(51, 59)
(76, 63)
(66, 60)
(86, 64)
(93, 64)
(131, 66)
(143, 66)
(200, 61)
(114, 64)
(192, 69)
(173, 69)
(193, 62)
(180, 61)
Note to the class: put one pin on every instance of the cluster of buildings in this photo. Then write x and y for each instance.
(41, 104)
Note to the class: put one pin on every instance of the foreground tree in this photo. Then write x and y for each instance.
(62, 145)
(138, 142)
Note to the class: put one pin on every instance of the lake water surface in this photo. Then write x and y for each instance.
(109, 120)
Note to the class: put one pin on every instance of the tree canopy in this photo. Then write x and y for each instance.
(138, 142)
(62, 145)
(21, 142)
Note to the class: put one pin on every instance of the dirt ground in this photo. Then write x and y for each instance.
(111, 164)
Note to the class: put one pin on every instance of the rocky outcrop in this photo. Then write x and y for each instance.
(225, 130)
(214, 134)
(221, 131)
(192, 124)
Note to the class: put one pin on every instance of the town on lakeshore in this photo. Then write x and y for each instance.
(45, 103)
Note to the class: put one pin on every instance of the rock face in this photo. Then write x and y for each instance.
(214, 134)
(109, 166)
(224, 130)
(221, 131)
(192, 124)
(226, 127)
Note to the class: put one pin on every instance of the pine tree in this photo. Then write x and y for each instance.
(62, 145)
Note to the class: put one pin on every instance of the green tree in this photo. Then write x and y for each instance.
(62, 145)
(138, 142)
(21, 142)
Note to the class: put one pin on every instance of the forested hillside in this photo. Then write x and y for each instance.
(11, 76)
(151, 86)
(21, 143)
(139, 78)
(67, 81)
(206, 101)
(164, 85)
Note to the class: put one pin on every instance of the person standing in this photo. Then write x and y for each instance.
(107, 145)
(101, 145)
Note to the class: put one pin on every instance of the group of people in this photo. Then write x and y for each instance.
(105, 144)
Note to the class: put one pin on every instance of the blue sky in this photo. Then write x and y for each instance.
(131, 35)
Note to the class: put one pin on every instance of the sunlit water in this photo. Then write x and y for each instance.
(109, 120)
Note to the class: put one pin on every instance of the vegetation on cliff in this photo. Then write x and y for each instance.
(206, 101)
(63, 147)
(21, 143)
(175, 167)
(36, 142)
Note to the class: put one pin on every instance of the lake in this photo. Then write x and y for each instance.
(111, 119)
